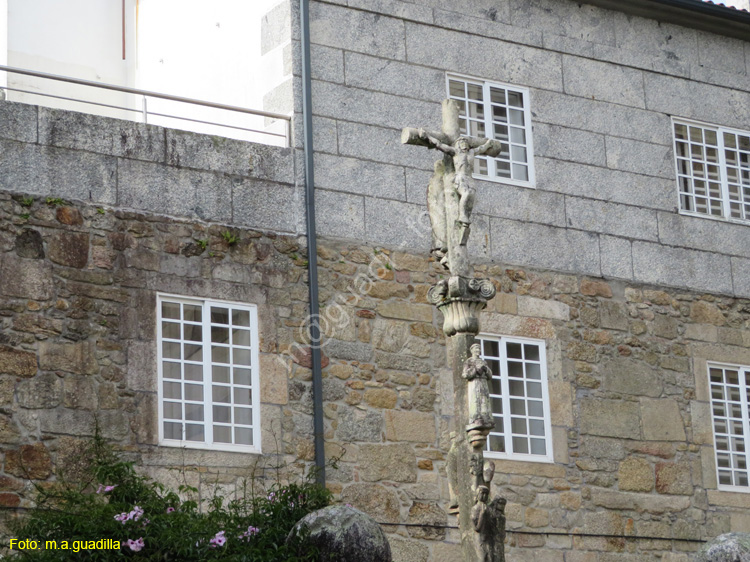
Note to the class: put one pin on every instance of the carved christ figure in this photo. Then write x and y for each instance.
(463, 166)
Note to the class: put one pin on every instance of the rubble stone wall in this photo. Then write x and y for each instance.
(632, 436)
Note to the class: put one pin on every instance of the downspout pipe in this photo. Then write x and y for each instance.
(312, 247)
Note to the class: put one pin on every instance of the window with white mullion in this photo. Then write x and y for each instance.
(730, 395)
(208, 361)
(500, 112)
(713, 170)
(520, 402)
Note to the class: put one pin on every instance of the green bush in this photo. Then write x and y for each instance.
(111, 501)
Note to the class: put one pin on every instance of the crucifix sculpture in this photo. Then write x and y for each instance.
(460, 297)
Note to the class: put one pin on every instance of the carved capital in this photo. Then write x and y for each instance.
(460, 300)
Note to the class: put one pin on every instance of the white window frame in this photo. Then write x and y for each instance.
(722, 166)
(208, 402)
(505, 389)
(529, 146)
(744, 392)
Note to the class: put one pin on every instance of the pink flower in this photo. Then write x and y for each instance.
(136, 545)
(218, 540)
(104, 489)
(247, 535)
(170, 510)
(135, 515)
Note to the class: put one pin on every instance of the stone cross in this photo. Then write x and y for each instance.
(451, 194)
(460, 297)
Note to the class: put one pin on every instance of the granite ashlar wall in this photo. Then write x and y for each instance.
(603, 86)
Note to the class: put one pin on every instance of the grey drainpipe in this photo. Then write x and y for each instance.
(312, 247)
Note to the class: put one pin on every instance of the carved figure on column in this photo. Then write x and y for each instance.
(478, 374)
(462, 155)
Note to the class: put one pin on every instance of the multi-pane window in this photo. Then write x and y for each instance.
(520, 402)
(713, 170)
(730, 397)
(208, 374)
(499, 112)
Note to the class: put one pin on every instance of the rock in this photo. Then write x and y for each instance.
(730, 547)
(340, 532)
(70, 249)
(29, 245)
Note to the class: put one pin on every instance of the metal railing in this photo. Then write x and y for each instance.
(144, 95)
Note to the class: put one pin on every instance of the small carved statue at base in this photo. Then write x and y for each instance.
(478, 373)
(489, 523)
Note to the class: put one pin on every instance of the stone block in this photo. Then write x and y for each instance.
(340, 215)
(599, 448)
(406, 311)
(640, 157)
(42, 391)
(103, 135)
(635, 501)
(329, 64)
(429, 514)
(25, 278)
(655, 39)
(520, 203)
(382, 144)
(627, 376)
(700, 234)
(385, 398)
(325, 135)
(375, 500)
(662, 420)
(635, 475)
(487, 22)
(273, 380)
(256, 204)
(357, 31)
(29, 461)
(609, 218)
(599, 116)
(393, 223)
(77, 358)
(395, 463)
(573, 145)
(663, 265)
(704, 102)
(175, 191)
(79, 392)
(355, 425)
(18, 121)
(605, 184)
(29, 244)
(349, 351)
(542, 308)
(9, 432)
(275, 28)
(17, 362)
(394, 77)
(402, 10)
(427, 44)
(616, 257)
(555, 248)
(365, 106)
(414, 427)
(612, 83)
(239, 158)
(719, 52)
(58, 172)
(584, 22)
(610, 418)
(70, 249)
(360, 177)
(741, 277)
(673, 478)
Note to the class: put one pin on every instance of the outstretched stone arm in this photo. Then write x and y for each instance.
(435, 143)
(416, 137)
(490, 148)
